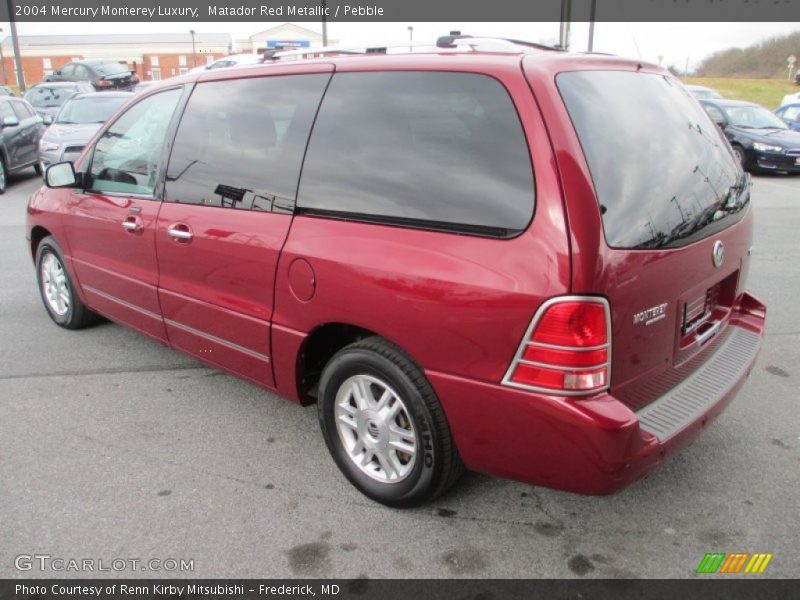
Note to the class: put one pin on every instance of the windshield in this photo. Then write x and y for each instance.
(753, 117)
(109, 68)
(89, 110)
(49, 97)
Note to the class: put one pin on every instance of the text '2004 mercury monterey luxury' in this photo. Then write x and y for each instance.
(491, 254)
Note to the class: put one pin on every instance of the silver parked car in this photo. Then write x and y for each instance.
(77, 121)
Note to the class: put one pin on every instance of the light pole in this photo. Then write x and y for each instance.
(194, 56)
(324, 25)
(410, 38)
(592, 11)
(2, 58)
(566, 16)
(15, 43)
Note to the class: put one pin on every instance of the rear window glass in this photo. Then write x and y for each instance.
(109, 68)
(432, 150)
(49, 97)
(663, 173)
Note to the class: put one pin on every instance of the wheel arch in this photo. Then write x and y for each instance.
(38, 233)
(318, 347)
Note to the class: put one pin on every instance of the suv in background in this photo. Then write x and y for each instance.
(466, 257)
(103, 74)
(47, 98)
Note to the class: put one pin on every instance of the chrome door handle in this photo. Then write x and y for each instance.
(179, 232)
(132, 224)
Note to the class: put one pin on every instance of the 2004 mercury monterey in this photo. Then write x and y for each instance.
(492, 254)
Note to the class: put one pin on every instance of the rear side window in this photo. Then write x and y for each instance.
(240, 143)
(424, 149)
(663, 174)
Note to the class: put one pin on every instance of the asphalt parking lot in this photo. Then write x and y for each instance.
(112, 446)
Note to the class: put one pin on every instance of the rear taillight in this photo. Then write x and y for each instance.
(103, 83)
(567, 348)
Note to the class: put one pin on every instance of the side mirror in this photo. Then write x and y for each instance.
(61, 175)
(10, 121)
(47, 119)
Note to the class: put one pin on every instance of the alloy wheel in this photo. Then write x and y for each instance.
(54, 285)
(375, 428)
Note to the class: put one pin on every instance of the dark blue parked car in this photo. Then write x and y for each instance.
(759, 138)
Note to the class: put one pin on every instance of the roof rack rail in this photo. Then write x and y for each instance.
(453, 41)
(278, 53)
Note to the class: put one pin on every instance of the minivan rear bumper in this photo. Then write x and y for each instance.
(595, 445)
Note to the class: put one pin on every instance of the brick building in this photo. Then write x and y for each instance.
(151, 56)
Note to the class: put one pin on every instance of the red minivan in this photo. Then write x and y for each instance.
(489, 255)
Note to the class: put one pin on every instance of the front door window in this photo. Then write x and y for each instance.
(128, 155)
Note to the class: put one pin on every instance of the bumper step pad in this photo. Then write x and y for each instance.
(685, 403)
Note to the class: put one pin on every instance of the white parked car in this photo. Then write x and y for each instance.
(229, 61)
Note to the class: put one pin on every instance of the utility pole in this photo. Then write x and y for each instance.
(410, 38)
(15, 43)
(592, 11)
(324, 24)
(194, 54)
(2, 58)
(566, 16)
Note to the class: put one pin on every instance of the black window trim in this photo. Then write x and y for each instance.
(158, 188)
(497, 233)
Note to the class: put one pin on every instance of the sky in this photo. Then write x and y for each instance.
(676, 43)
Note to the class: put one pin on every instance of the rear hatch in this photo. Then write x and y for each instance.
(674, 208)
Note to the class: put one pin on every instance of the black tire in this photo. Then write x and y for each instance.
(436, 465)
(738, 152)
(3, 175)
(77, 315)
